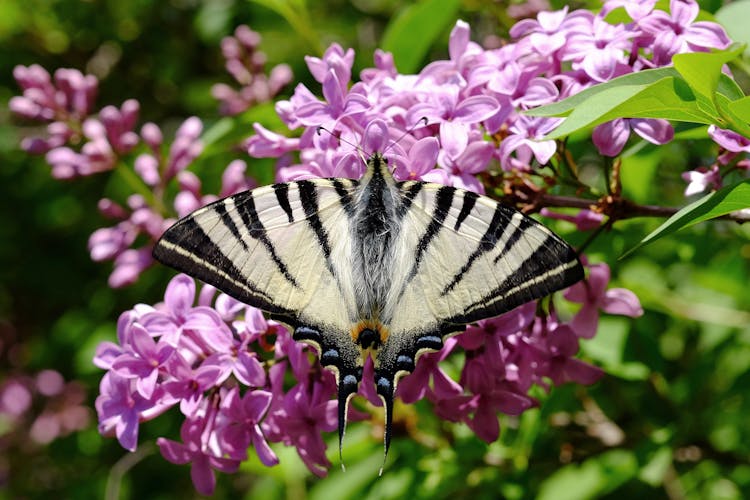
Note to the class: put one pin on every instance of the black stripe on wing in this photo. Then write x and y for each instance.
(308, 195)
(187, 248)
(410, 191)
(245, 205)
(443, 202)
(469, 200)
(551, 267)
(500, 218)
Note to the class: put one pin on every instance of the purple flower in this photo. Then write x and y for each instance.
(144, 362)
(119, 407)
(701, 179)
(241, 428)
(610, 137)
(595, 296)
(337, 106)
(195, 450)
(415, 386)
(188, 386)
(525, 141)
(420, 159)
(246, 65)
(306, 411)
(562, 343)
(732, 142)
(677, 33)
(71, 95)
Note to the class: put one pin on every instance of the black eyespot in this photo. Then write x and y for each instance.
(330, 357)
(404, 362)
(368, 338)
(349, 383)
(384, 385)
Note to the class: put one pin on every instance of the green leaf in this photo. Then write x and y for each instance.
(296, 14)
(701, 70)
(410, 35)
(722, 202)
(591, 479)
(741, 108)
(637, 81)
(732, 120)
(668, 98)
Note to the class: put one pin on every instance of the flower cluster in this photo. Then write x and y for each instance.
(197, 357)
(83, 142)
(472, 102)
(224, 366)
(246, 65)
(42, 406)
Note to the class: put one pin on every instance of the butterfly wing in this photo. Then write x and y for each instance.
(279, 248)
(464, 257)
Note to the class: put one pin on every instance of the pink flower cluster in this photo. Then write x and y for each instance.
(198, 357)
(471, 103)
(41, 408)
(79, 144)
(246, 65)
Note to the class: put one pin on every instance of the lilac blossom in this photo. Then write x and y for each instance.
(594, 296)
(195, 450)
(246, 65)
(244, 415)
(676, 32)
(611, 137)
(701, 179)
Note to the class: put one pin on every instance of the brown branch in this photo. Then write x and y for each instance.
(617, 209)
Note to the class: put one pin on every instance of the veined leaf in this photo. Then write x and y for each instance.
(722, 202)
(669, 98)
(701, 70)
(741, 109)
(410, 35)
(636, 82)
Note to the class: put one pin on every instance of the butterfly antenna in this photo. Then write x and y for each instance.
(422, 120)
(362, 153)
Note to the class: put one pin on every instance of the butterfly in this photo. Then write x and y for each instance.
(370, 267)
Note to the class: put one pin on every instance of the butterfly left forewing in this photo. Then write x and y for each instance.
(277, 248)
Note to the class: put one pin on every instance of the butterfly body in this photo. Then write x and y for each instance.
(370, 267)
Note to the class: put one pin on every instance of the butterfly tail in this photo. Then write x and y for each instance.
(348, 385)
(385, 387)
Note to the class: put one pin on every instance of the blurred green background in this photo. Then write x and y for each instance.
(669, 420)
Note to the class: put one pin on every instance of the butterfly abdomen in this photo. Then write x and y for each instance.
(376, 229)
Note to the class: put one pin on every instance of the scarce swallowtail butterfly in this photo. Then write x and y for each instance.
(371, 267)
